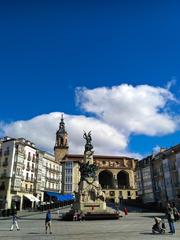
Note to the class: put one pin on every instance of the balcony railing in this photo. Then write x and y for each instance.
(27, 190)
(29, 180)
(52, 169)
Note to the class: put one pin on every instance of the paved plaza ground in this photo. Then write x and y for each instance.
(134, 226)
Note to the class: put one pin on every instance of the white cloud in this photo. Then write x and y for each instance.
(118, 112)
(41, 130)
(140, 109)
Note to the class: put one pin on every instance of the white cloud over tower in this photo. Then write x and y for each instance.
(117, 113)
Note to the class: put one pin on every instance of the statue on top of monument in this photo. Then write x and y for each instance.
(88, 145)
(87, 168)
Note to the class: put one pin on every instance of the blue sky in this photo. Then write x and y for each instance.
(49, 48)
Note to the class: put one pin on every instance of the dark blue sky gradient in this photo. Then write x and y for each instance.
(48, 48)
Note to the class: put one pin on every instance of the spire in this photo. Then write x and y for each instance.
(61, 135)
(62, 125)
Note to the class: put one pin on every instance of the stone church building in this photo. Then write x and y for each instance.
(116, 174)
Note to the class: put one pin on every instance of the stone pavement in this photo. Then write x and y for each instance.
(134, 226)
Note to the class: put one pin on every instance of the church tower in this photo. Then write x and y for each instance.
(61, 146)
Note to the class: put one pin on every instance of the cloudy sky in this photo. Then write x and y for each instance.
(109, 67)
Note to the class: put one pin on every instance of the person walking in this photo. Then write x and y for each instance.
(48, 221)
(14, 222)
(170, 218)
(175, 212)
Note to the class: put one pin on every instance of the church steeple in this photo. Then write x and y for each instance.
(61, 145)
(62, 125)
(61, 134)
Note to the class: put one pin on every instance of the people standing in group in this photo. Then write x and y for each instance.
(14, 222)
(170, 218)
(48, 221)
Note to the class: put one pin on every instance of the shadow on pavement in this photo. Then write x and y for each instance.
(148, 233)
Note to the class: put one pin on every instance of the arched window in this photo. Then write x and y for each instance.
(123, 179)
(106, 179)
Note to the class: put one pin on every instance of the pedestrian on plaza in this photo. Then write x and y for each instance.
(175, 212)
(81, 216)
(125, 211)
(14, 222)
(170, 218)
(48, 221)
(75, 216)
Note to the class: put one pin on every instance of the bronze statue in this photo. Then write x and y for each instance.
(88, 145)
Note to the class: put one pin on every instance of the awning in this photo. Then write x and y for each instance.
(36, 199)
(31, 197)
(61, 197)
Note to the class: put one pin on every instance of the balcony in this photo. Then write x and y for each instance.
(52, 169)
(52, 179)
(30, 180)
(27, 190)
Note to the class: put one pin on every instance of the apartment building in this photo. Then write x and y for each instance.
(164, 177)
(26, 173)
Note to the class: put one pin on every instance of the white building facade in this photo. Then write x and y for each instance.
(26, 173)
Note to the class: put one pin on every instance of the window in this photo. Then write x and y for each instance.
(26, 187)
(68, 188)
(18, 171)
(28, 166)
(27, 176)
(29, 156)
(5, 164)
(129, 193)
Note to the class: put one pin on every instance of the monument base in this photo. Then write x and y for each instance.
(97, 206)
(69, 216)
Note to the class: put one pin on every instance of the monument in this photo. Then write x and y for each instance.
(90, 199)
